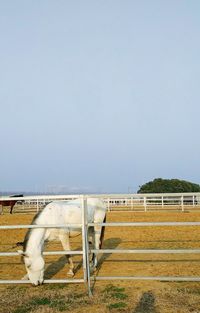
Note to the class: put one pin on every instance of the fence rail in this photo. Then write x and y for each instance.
(146, 202)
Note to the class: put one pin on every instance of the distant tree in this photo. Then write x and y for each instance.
(160, 185)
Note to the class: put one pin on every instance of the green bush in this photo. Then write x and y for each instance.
(160, 185)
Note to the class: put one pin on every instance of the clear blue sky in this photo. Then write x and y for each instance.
(100, 96)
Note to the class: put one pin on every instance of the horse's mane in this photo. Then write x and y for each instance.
(29, 231)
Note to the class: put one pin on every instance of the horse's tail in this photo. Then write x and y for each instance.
(102, 233)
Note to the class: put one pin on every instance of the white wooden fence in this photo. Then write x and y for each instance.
(116, 202)
(87, 277)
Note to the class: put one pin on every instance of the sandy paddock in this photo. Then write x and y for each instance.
(123, 264)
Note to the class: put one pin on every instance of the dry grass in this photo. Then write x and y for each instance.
(117, 296)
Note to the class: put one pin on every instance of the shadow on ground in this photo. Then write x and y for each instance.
(146, 303)
(57, 266)
(110, 243)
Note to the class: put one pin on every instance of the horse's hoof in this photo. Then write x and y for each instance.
(93, 270)
(25, 277)
(70, 274)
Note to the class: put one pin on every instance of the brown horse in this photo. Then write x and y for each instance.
(10, 203)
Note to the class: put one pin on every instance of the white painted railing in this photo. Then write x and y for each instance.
(145, 202)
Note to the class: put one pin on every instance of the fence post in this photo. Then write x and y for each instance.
(182, 205)
(85, 245)
(108, 204)
(145, 204)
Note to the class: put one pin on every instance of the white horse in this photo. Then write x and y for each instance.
(60, 213)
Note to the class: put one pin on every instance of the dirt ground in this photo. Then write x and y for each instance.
(110, 296)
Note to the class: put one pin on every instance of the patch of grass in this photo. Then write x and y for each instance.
(58, 302)
(111, 288)
(11, 287)
(119, 296)
(17, 288)
(40, 301)
(117, 305)
(78, 299)
(56, 286)
(115, 293)
(22, 310)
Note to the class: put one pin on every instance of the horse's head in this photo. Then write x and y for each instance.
(34, 267)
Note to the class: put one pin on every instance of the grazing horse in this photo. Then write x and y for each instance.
(60, 213)
(10, 203)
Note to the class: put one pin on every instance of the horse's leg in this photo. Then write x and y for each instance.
(97, 236)
(91, 243)
(64, 238)
(11, 208)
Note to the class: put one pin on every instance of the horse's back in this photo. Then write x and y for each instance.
(64, 212)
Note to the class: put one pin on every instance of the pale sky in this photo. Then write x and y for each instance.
(98, 96)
